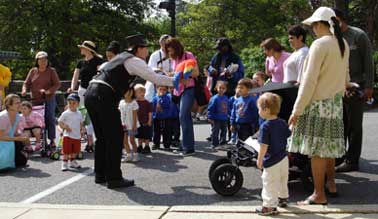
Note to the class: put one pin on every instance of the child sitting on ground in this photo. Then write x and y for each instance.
(145, 120)
(129, 117)
(72, 123)
(272, 157)
(244, 115)
(31, 124)
(218, 114)
(161, 110)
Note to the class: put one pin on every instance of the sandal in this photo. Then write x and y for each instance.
(265, 211)
(309, 201)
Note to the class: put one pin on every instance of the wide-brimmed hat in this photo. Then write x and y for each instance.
(223, 41)
(41, 54)
(91, 46)
(320, 14)
(134, 41)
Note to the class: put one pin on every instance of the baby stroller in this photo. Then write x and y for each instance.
(227, 179)
(45, 151)
(225, 175)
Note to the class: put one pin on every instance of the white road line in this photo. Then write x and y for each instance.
(56, 187)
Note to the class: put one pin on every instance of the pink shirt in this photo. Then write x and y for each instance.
(181, 87)
(275, 68)
(33, 120)
(5, 123)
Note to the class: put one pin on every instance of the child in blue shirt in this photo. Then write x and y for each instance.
(174, 120)
(233, 135)
(244, 115)
(218, 114)
(161, 112)
(272, 157)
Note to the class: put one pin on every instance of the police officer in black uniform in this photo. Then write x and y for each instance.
(101, 100)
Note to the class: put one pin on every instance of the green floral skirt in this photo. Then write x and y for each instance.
(320, 130)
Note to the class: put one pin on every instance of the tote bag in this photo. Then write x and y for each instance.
(7, 149)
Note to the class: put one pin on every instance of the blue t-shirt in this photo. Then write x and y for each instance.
(245, 111)
(161, 107)
(218, 108)
(274, 133)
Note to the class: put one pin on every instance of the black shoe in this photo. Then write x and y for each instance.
(209, 138)
(155, 147)
(100, 179)
(120, 183)
(89, 148)
(223, 143)
(146, 150)
(282, 202)
(140, 149)
(347, 167)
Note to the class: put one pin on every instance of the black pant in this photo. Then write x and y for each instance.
(175, 129)
(162, 127)
(102, 106)
(353, 116)
(245, 130)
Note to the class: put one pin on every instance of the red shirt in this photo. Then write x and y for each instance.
(145, 108)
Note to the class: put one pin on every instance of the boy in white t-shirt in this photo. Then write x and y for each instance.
(72, 123)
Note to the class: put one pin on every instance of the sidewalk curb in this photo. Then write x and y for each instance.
(310, 209)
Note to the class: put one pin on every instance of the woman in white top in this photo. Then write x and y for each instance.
(293, 66)
(317, 116)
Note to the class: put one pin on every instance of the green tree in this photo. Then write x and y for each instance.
(58, 26)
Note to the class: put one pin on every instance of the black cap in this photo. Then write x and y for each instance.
(223, 41)
(135, 40)
(74, 96)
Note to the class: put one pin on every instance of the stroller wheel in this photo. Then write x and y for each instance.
(80, 156)
(226, 179)
(217, 163)
(55, 155)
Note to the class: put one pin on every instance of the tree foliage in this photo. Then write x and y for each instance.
(58, 26)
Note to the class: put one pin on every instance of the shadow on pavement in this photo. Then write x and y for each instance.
(186, 195)
(25, 172)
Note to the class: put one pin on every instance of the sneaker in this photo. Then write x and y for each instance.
(64, 166)
(187, 153)
(127, 159)
(140, 149)
(282, 202)
(89, 148)
(74, 164)
(265, 211)
(38, 147)
(146, 150)
(136, 158)
(231, 142)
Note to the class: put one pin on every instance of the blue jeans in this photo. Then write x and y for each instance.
(50, 107)
(215, 128)
(186, 104)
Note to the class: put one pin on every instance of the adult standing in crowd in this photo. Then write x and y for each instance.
(43, 82)
(9, 120)
(293, 65)
(104, 92)
(112, 50)
(361, 71)
(276, 56)
(219, 63)
(185, 90)
(85, 70)
(317, 113)
(160, 63)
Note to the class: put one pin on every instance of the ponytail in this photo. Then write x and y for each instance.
(339, 35)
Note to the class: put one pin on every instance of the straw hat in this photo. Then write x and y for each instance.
(91, 46)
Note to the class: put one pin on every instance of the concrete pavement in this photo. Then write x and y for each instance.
(42, 211)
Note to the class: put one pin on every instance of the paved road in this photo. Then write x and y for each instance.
(164, 178)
